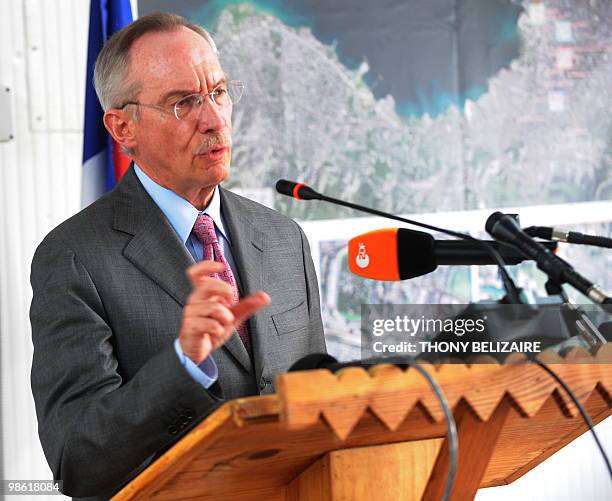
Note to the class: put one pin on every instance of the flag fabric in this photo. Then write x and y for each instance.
(103, 161)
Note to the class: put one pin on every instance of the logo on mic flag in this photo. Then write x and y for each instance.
(362, 259)
(374, 255)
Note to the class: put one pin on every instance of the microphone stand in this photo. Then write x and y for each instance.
(586, 328)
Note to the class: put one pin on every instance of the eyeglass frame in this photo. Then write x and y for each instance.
(209, 95)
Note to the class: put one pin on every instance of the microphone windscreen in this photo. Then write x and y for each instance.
(285, 187)
(492, 220)
(391, 254)
(300, 191)
(313, 361)
(374, 255)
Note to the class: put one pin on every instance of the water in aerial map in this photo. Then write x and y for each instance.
(439, 104)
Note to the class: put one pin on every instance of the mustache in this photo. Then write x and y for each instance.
(213, 139)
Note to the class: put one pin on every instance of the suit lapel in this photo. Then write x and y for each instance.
(248, 252)
(161, 256)
(155, 248)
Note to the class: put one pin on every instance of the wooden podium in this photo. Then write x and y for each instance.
(380, 434)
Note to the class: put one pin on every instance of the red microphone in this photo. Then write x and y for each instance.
(394, 254)
(375, 255)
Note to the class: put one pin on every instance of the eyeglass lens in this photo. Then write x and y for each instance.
(189, 107)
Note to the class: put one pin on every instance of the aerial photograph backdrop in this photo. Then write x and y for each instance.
(416, 107)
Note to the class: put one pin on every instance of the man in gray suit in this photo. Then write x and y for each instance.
(133, 342)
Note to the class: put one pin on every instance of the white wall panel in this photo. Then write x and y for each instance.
(55, 46)
(43, 48)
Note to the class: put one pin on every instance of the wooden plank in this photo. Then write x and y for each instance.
(252, 409)
(477, 440)
(313, 484)
(156, 475)
(386, 473)
(525, 443)
(186, 493)
(389, 392)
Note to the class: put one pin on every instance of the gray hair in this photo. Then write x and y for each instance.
(111, 81)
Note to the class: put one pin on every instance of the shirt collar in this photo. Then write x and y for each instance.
(180, 213)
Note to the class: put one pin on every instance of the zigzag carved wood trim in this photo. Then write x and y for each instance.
(390, 393)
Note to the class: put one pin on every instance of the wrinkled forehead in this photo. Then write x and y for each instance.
(163, 61)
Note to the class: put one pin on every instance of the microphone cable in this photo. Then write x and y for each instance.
(301, 191)
(451, 431)
(583, 413)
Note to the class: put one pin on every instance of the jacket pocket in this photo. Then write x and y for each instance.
(292, 319)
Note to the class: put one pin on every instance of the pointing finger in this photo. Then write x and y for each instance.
(248, 305)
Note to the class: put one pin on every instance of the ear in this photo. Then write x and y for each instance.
(120, 125)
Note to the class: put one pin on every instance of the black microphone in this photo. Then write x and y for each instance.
(300, 191)
(316, 361)
(313, 361)
(399, 254)
(571, 237)
(505, 229)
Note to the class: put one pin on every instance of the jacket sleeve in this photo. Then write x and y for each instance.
(96, 429)
(317, 337)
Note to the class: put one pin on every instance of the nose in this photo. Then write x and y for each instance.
(212, 117)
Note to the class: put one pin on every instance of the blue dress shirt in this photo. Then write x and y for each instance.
(182, 216)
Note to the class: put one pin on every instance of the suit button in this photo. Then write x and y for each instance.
(186, 417)
(173, 429)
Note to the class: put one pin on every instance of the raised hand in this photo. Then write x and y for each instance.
(209, 317)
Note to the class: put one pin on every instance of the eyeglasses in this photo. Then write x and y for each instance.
(189, 107)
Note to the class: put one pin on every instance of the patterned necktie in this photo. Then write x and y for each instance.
(204, 229)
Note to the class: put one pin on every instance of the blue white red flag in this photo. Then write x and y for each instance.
(103, 161)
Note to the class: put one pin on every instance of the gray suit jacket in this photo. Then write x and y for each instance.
(109, 287)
